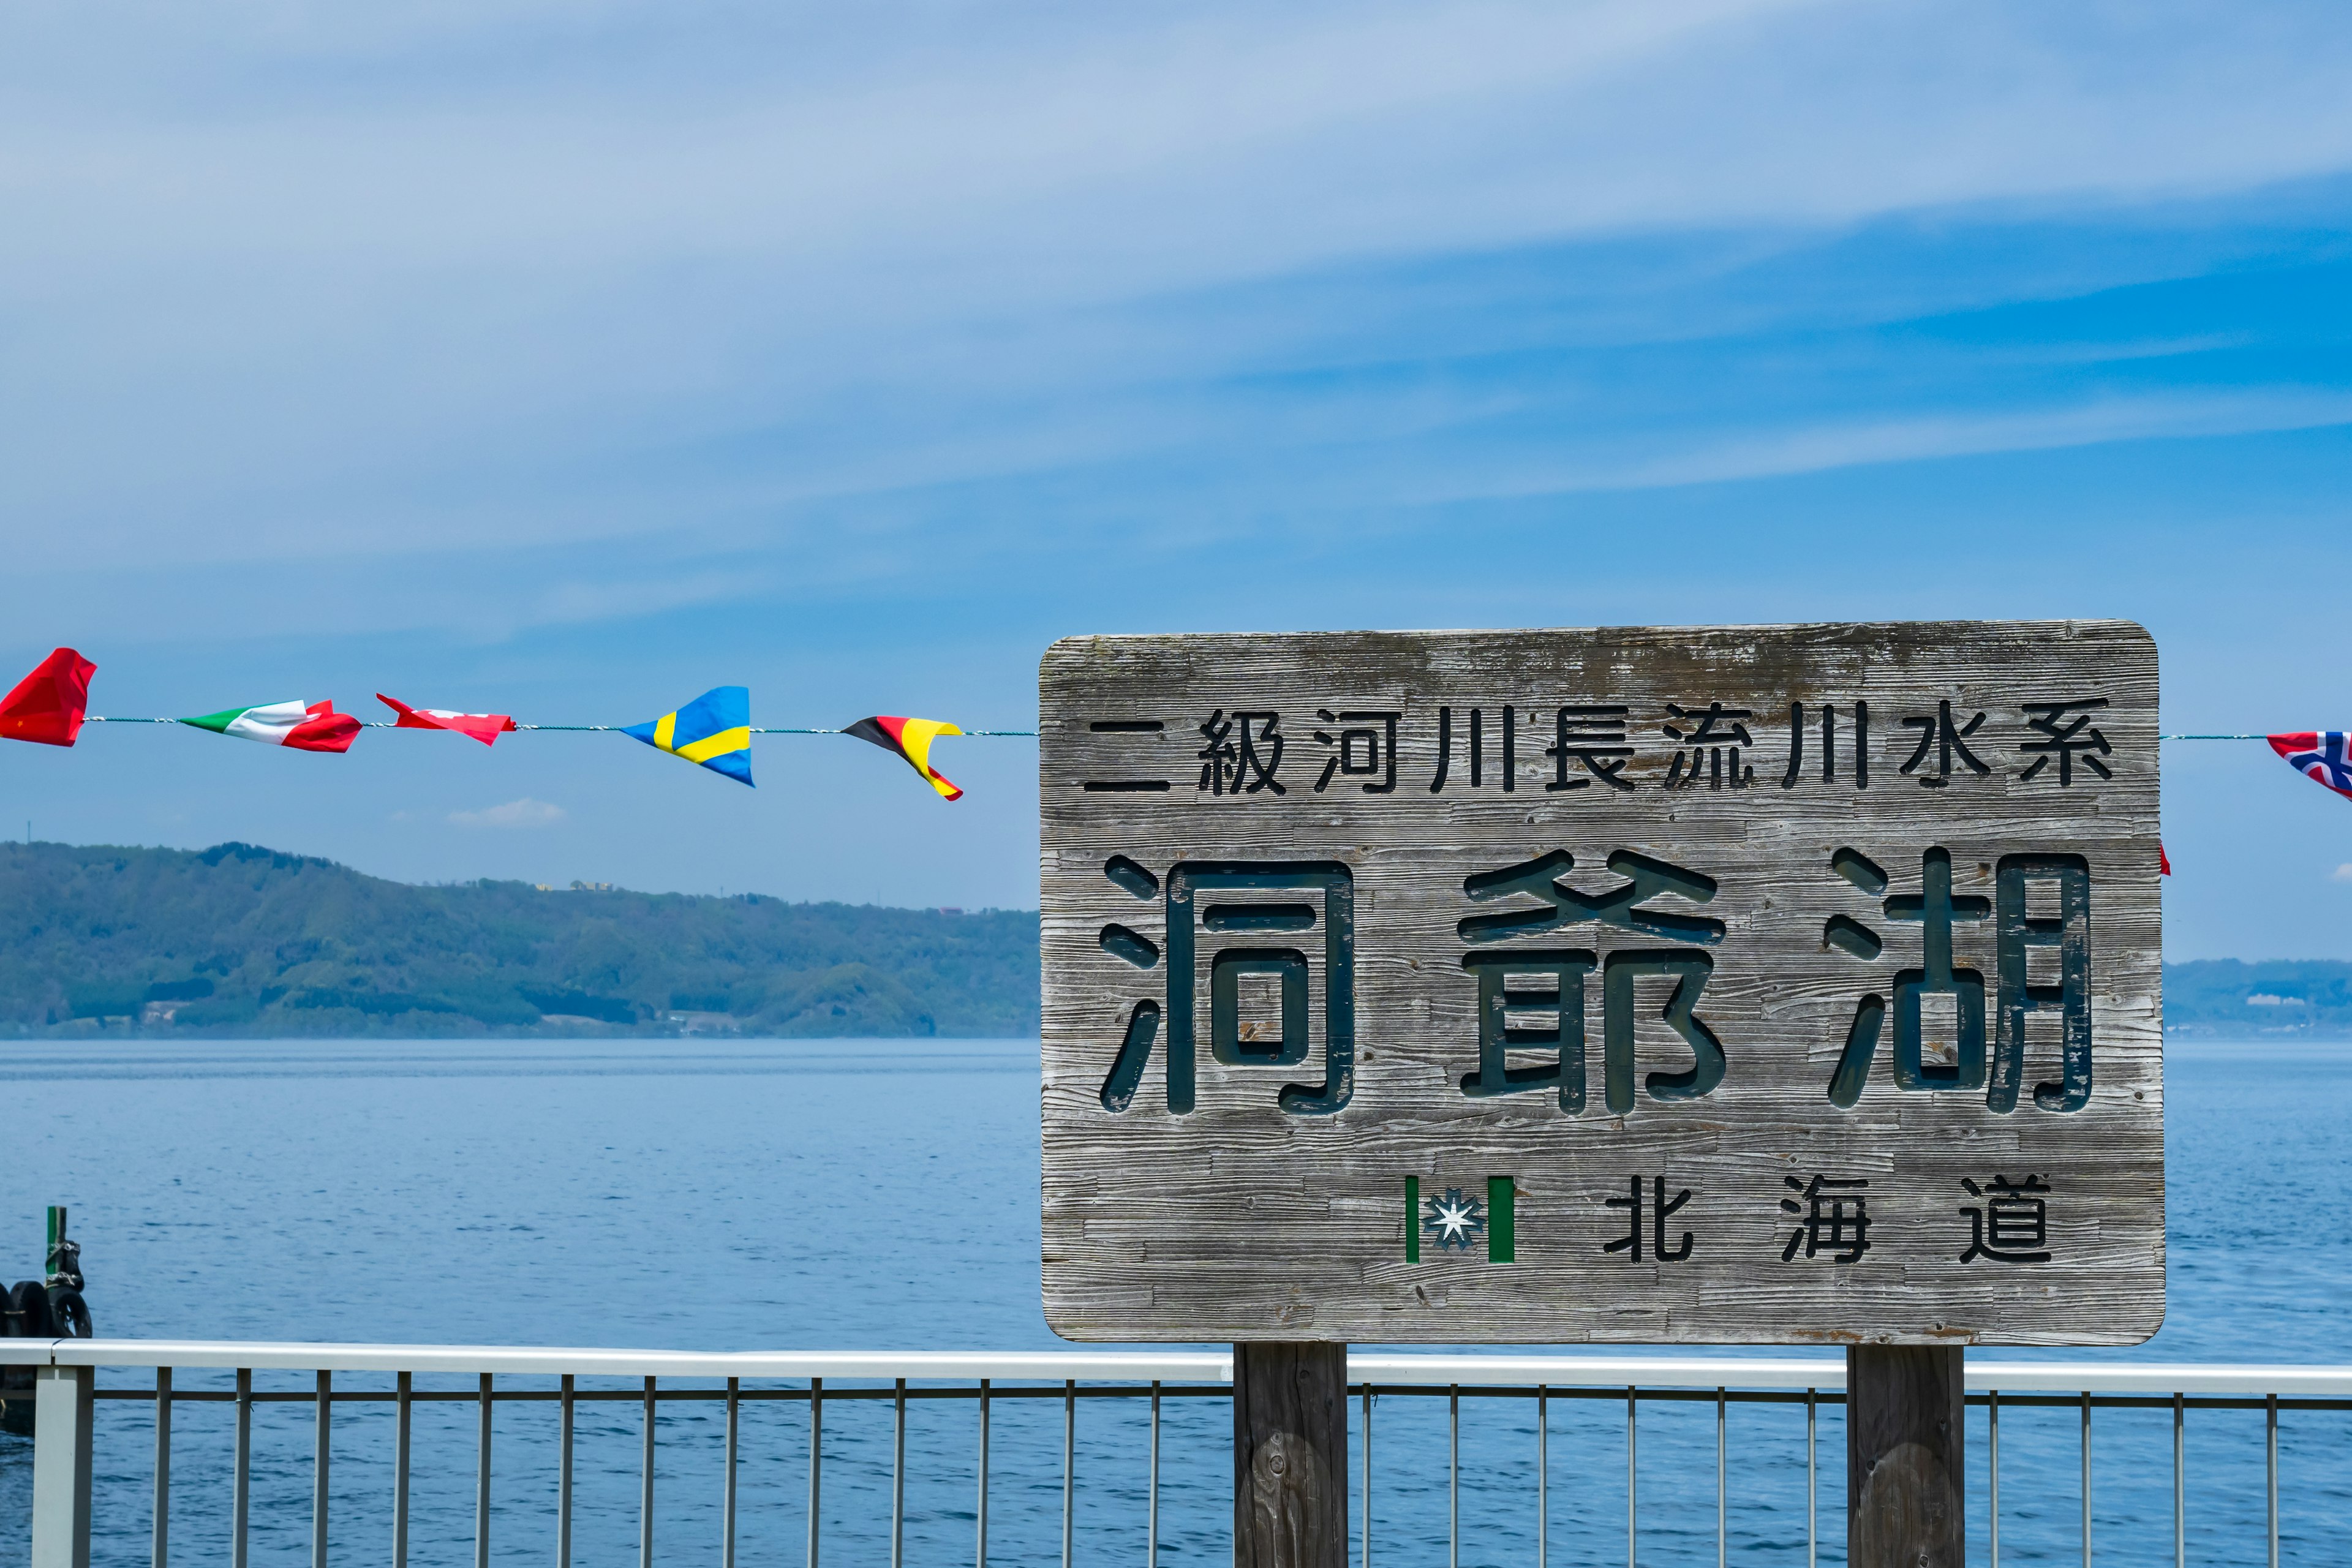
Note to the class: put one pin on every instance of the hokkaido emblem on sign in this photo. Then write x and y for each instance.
(1565, 986)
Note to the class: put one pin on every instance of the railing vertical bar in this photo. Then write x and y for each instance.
(1368, 1474)
(401, 1409)
(2180, 1483)
(981, 1557)
(161, 1551)
(646, 1487)
(564, 1404)
(2087, 1479)
(318, 1458)
(482, 1478)
(241, 1483)
(1453, 1477)
(1813, 1483)
(1151, 1503)
(1069, 1469)
(816, 1463)
(2269, 1458)
(1992, 1426)
(898, 1478)
(1630, 1434)
(1543, 1476)
(1722, 1539)
(727, 1517)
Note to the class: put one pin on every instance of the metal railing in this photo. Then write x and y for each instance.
(67, 1394)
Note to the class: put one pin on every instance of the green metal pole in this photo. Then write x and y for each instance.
(57, 1241)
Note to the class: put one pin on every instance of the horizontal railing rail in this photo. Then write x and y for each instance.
(1826, 1374)
(66, 1388)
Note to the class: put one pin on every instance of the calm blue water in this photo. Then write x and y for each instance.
(884, 1195)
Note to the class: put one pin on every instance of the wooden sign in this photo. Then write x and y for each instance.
(1771, 984)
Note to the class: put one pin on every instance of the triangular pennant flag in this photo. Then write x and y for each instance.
(714, 730)
(2163, 861)
(912, 739)
(46, 706)
(484, 727)
(313, 727)
(2319, 757)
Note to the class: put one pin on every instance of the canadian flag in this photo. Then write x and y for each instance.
(48, 705)
(484, 727)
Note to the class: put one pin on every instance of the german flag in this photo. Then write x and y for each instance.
(910, 739)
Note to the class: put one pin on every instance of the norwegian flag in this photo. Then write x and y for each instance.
(2318, 757)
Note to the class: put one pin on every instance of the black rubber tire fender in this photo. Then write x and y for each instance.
(68, 1313)
(28, 1310)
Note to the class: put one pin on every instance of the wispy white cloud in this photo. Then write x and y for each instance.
(523, 813)
(299, 284)
(2342, 873)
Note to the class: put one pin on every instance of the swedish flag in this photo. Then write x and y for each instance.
(714, 730)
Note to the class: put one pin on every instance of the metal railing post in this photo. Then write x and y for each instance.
(816, 1464)
(320, 1446)
(400, 1412)
(161, 1553)
(1151, 1506)
(2180, 1483)
(1070, 1469)
(1453, 1477)
(482, 1478)
(565, 1404)
(898, 1478)
(1543, 1475)
(62, 1406)
(981, 1533)
(2269, 1458)
(1992, 1427)
(727, 1506)
(1812, 1482)
(1368, 1477)
(2087, 1479)
(241, 1481)
(646, 1487)
(1722, 1539)
(1630, 1479)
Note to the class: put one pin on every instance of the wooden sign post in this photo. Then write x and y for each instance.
(1784, 985)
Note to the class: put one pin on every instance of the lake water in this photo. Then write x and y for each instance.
(883, 1194)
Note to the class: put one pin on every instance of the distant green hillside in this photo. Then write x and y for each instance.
(2226, 998)
(240, 941)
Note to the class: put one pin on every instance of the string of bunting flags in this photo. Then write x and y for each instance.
(50, 706)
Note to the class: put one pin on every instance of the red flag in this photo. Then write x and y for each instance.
(48, 705)
(484, 727)
(2163, 861)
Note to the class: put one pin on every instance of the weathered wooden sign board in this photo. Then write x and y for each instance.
(1641, 984)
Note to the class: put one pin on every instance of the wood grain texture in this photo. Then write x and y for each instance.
(1240, 1219)
(1906, 1468)
(1290, 1455)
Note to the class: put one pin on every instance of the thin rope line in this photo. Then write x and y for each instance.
(585, 729)
(778, 729)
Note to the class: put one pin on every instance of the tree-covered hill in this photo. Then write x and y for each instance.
(2226, 998)
(241, 941)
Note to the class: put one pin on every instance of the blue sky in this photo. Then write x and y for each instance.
(569, 359)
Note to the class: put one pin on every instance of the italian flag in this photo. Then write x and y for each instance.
(313, 727)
